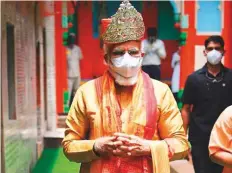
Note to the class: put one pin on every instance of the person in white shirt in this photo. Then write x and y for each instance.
(154, 51)
(176, 73)
(74, 55)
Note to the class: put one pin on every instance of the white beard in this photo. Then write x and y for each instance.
(124, 81)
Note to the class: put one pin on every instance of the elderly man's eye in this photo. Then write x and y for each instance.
(118, 53)
(134, 52)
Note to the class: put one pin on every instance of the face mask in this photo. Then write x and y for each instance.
(125, 69)
(214, 57)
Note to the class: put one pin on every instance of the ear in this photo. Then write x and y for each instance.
(105, 49)
(223, 53)
(106, 58)
(204, 52)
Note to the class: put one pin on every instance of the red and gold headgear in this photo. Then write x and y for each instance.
(126, 25)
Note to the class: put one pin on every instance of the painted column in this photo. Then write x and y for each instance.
(187, 50)
(227, 33)
(49, 21)
(1, 102)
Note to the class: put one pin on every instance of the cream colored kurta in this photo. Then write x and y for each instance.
(221, 135)
(84, 118)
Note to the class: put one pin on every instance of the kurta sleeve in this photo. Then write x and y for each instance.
(76, 146)
(161, 50)
(220, 138)
(170, 126)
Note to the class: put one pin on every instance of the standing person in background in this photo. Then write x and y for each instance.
(74, 55)
(207, 93)
(154, 51)
(176, 73)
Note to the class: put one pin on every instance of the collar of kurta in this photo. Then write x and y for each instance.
(204, 69)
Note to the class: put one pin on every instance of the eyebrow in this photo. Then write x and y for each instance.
(122, 49)
(118, 49)
(134, 48)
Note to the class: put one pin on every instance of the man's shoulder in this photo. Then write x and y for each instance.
(229, 110)
(87, 86)
(226, 116)
(158, 41)
(159, 85)
(145, 41)
(196, 73)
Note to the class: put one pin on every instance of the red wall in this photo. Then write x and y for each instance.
(166, 69)
(227, 33)
(188, 51)
(92, 63)
(60, 59)
(149, 9)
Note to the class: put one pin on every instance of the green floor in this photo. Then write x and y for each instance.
(54, 161)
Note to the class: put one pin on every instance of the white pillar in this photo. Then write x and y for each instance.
(49, 22)
(0, 101)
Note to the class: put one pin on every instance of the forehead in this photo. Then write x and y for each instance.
(128, 44)
(213, 44)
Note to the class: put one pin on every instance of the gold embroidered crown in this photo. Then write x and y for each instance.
(127, 24)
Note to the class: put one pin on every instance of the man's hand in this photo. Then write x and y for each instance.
(185, 113)
(104, 146)
(189, 157)
(130, 145)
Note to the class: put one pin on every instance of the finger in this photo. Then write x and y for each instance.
(124, 148)
(114, 145)
(123, 139)
(133, 148)
(111, 138)
(133, 137)
(128, 149)
(110, 149)
(135, 153)
(109, 143)
(119, 153)
(122, 135)
(118, 143)
(134, 143)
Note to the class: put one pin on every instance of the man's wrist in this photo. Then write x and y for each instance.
(147, 151)
(95, 150)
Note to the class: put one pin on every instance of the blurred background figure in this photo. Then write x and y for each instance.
(175, 83)
(154, 50)
(74, 55)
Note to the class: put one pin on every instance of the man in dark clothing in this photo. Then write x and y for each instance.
(207, 93)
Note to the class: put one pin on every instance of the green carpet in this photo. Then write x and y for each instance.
(53, 160)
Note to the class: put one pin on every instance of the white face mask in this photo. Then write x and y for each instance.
(214, 57)
(125, 69)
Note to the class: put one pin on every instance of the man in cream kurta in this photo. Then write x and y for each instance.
(124, 121)
(220, 145)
